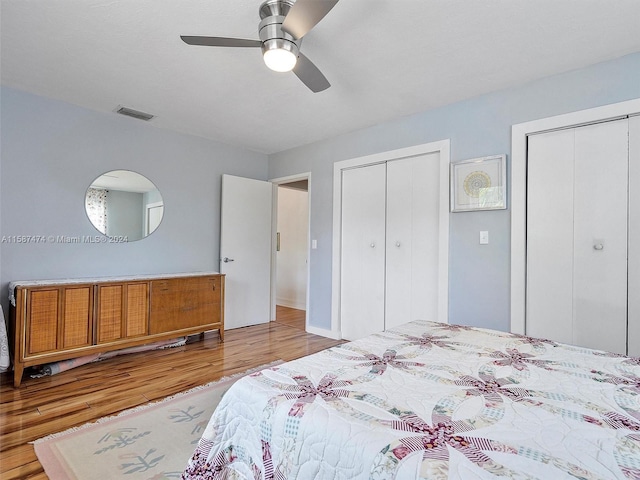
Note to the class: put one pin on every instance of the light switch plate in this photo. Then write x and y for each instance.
(484, 237)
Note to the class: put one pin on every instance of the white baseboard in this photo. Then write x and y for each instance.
(291, 304)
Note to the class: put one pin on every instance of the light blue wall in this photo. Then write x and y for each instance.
(153, 196)
(51, 151)
(478, 275)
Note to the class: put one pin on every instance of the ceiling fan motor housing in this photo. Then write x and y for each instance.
(273, 13)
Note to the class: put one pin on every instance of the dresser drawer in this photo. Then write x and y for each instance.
(181, 303)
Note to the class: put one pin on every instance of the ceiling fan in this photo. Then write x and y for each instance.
(282, 26)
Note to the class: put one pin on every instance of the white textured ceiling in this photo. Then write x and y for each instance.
(384, 58)
(124, 181)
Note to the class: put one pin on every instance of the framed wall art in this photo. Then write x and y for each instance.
(479, 184)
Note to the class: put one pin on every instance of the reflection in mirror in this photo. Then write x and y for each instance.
(124, 205)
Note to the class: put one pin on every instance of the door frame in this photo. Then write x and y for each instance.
(441, 147)
(519, 134)
(274, 231)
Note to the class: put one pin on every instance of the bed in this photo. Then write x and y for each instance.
(430, 401)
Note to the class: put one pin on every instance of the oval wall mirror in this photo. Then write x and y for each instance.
(124, 205)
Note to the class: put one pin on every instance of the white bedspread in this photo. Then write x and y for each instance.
(431, 401)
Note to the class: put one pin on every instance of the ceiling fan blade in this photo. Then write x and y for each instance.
(304, 15)
(310, 75)
(220, 41)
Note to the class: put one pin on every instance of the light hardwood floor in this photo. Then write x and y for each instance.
(290, 316)
(52, 404)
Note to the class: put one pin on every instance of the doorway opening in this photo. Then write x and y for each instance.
(291, 266)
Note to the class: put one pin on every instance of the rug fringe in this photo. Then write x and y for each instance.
(154, 403)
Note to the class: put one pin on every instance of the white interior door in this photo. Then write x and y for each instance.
(412, 259)
(363, 251)
(154, 216)
(245, 250)
(577, 236)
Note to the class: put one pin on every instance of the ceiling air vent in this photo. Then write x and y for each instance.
(129, 112)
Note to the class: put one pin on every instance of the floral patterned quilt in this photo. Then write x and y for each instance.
(431, 401)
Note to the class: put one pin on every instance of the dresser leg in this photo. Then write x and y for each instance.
(18, 369)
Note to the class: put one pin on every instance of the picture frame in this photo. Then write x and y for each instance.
(479, 184)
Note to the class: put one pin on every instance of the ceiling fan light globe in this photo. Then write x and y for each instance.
(280, 59)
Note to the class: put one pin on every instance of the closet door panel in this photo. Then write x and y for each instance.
(634, 238)
(600, 236)
(549, 300)
(363, 251)
(412, 239)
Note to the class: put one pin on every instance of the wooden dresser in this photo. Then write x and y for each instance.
(59, 320)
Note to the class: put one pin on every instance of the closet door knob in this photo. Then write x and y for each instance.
(598, 246)
(373, 245)
(397, 244)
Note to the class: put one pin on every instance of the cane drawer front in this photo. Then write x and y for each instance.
(58, 319)
(122, 311)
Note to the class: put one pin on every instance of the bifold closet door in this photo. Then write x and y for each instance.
(577, 236)
(363, 227)
(634, 237)
(412, 261)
